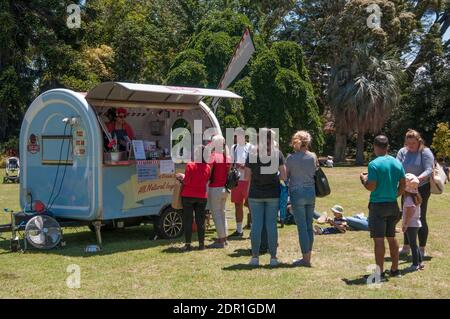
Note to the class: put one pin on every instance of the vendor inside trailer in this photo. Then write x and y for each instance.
(153, 127)
(120, 129)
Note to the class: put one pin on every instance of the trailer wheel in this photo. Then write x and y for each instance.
(169, 224)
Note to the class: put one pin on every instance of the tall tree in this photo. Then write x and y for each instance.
(29, 31)
(278, 93)
(426, 101)
(362, 97)
(330, 30)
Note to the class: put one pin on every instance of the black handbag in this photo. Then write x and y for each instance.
(233, 178)
(321, 183)
(234, 174)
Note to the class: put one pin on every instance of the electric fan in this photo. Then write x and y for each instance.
(43, 232)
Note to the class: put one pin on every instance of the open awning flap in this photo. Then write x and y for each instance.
(148, 93)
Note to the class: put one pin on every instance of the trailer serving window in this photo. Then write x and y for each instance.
(152, 111)
(57, 150)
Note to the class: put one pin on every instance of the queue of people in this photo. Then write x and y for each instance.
(388, 178)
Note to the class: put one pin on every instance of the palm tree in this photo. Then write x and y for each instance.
(362, 92)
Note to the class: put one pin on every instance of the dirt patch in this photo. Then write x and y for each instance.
(8, 276)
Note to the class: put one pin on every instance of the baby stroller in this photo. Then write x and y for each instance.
(12, 170)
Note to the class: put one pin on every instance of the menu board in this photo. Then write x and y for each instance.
(146, 170)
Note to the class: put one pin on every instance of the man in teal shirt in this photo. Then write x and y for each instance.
(386, 181)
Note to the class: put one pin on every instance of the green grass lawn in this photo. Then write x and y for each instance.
(132, 266)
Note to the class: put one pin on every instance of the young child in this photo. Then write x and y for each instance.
(329, 161)
(411, 218)
(338, 223)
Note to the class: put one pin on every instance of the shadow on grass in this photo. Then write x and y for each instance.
(235, 238)
(363, 279)
(245, 252)
(406, 259)
(130, 239)
(179, 250)
(359, 281)
(174, 250)
(249, 267)
(241, 253)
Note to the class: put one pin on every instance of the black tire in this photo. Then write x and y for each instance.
(169, 224)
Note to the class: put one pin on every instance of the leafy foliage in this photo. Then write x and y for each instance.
(441, 141)
(190, 42)
(277, 93)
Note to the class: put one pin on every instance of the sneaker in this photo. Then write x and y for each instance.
(273, 262)
(300, 263)
(422, 266)
(413, 268)
(318, 230)
(237, 234)
(382, 277)
(216, 245)
(187, 248)
(395, 273)
(201, 247)
(404, 252)
(254, 262)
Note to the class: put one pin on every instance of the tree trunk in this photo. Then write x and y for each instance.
(360, 149)
(340, 147)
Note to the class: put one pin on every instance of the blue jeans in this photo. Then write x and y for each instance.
(358, 223)
(303, 200)
(264, 211)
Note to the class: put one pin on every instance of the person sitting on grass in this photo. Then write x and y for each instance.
(338, 223)
(330, 162)
(411, 218)
(356, 222)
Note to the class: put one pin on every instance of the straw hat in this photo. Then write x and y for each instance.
(337, 209)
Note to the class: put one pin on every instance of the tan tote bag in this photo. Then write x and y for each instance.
(437, 179)
(176, 196)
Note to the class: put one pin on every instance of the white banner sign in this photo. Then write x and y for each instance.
(242, 54)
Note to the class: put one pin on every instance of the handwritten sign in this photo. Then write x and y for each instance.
(166, 167)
